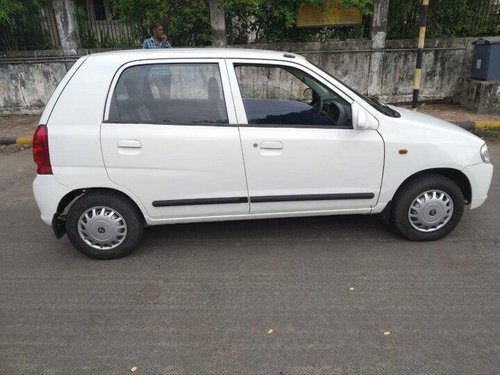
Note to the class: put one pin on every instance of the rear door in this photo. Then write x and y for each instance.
(167, 138)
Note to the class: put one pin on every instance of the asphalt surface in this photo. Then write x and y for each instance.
(203, 298)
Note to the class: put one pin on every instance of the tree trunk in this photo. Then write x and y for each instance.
(67, 27)
(218, 23)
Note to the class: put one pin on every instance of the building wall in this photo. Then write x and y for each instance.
(28, 79)
(446, 64)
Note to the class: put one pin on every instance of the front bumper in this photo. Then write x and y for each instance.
(479, 176)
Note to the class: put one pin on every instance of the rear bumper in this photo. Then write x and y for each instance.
(479, 176)
(48, 193)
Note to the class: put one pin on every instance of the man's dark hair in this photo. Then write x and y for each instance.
(154, 25)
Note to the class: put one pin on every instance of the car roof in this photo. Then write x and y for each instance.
(179, 53)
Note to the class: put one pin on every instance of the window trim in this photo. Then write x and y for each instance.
(225, 86)
(296, 126)
(238, 100)
(157, 123)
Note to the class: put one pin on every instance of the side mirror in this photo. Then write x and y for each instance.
(362, 119)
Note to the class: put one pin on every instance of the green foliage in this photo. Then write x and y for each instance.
(275, 21)
(189, 25)
(89, 39)
(87, 36)
(21, 25)
(488, 132)
(187, 22)
(446, 18)
(8, 9)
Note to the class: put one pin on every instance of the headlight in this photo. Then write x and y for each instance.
(485, 155)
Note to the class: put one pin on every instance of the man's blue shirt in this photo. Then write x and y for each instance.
(150, 43)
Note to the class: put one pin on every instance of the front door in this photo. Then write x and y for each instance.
(168, 140)
(300, 149)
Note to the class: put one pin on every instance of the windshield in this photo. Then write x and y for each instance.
(379, 106)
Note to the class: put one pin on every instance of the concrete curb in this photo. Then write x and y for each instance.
(27, 140)
(23, 140)
(487, 124)
(471, 125)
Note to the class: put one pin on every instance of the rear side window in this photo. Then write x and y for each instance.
(177, 94)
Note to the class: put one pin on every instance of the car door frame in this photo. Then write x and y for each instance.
(243, 122)
(236, 93)
(232, 123)
(226, 86)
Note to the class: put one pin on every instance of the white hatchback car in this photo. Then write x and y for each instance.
(137, 138)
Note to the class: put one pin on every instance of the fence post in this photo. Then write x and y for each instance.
(420, 52)
(378, 35)
(65, 15)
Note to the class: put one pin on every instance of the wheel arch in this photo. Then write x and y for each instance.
(453, 174)
(71, 197)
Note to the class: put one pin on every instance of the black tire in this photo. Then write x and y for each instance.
(120, 231)
(432, 219)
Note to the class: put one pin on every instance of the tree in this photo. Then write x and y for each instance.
(273, 21)
(10, 9)
(187, 22)
(21, 25)
(448, 18)
(218, 23)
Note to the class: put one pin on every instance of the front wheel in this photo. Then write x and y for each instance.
(427, 208)
(104, 225)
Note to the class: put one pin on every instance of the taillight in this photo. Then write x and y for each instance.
(41, 150)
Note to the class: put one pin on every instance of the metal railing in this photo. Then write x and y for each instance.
(447, 18)
(98, 29)
(31, 31)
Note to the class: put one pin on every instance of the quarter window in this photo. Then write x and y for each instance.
(177, 94)
(282, 95)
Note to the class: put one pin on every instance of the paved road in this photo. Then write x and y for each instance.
(201, 298)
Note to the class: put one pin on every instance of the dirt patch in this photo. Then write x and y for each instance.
(17, 125)
(13, 148)
(454, 112)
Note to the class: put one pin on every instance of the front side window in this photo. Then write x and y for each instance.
(283, 95)
(176, 94)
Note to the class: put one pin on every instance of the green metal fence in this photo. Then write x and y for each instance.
(447, 18)
(98, 28)
(36, 30)
(30, 31)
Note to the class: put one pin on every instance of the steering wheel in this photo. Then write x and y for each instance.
(324, 107)
(316, 101)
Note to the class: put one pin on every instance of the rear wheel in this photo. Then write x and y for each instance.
(427, 208)
(104, 225)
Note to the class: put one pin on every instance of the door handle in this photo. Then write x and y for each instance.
(129, 143)
(271, 145)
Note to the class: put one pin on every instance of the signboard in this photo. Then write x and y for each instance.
(332, 14)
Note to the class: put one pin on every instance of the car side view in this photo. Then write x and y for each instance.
(147, 137)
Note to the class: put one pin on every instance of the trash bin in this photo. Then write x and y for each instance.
(486, 59)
